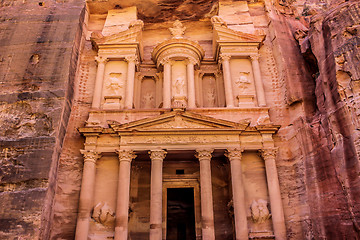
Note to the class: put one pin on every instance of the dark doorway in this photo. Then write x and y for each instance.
(180, 214)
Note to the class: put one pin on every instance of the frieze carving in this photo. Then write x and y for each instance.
(90, 155)
(157, 155)
(203, 154)
(178, 123)
(178, 30)
(126, 155)
(234, 154)
(179, 139)
(269, 153)
(103, 214)
(260, 211)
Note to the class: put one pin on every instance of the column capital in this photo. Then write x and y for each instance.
(158, 155)
(165, 60)
(131, 58)
(100, 59)
(204, 154)
(224, 57)
(126, 155)
(269, 153)
(255, 57)
(90, 155)
(190, 61)
(234, 154)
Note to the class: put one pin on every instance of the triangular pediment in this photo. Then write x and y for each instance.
(177, 121)
(223, 33)
(131, 35)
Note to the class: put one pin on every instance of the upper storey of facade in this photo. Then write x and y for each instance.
(207, 66)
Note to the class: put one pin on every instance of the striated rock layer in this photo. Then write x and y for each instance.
(310, 60)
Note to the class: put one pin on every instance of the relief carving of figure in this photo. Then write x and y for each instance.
(243, 82)
(179, 86)
(259, 211)
(210, 94)
(103, 214)
(148, 100)
(178, 30)
(114, 85)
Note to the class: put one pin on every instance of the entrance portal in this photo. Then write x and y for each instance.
(180, 214)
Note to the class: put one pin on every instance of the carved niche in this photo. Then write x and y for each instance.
(148, 92)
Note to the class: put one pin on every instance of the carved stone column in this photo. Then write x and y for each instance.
(99, 81)
(229, 96)
(129, 100)
(207, 211)
(123, 194)
(277, 211)
(86, 193)
(191, 84)
(258, 81)
(241, 228)
(157, 157)
(167, 84)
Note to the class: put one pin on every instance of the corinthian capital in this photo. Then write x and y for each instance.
(157, 155)
(255, 57)
(234, 154)
(269, 153)
(131, 58)
(204, 154)
(90, 155)
(224, 57)
(126, 155)
(100, 59)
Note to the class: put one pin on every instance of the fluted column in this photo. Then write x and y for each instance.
(86, 193)
(167, 84)
(207, 210)
(99, 81)
(229, 96)
(240, 216)
(191, 84)
(123, 194)
(129, 100)
(157, 157)
(277, 212)
(258, 81)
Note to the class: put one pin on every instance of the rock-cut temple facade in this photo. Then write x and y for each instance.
(195, 120)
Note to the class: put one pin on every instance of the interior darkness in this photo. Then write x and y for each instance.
(180, 214)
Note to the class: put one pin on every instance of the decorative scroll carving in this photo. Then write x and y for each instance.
(234, 154)
(157, 155)
(103, 214)
(204, 154)
(126, 155)
(90, 155)
(178, 30)
(260, 211)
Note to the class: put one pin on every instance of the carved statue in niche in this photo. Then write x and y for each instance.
(148, 100)
(210, 94)
(259, 211)
(103, 214)
(243, 82)
(179, 86)
(178, 30)
(114, 85)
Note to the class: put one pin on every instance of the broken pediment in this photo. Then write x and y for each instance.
(178, 121)
(131, 35)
